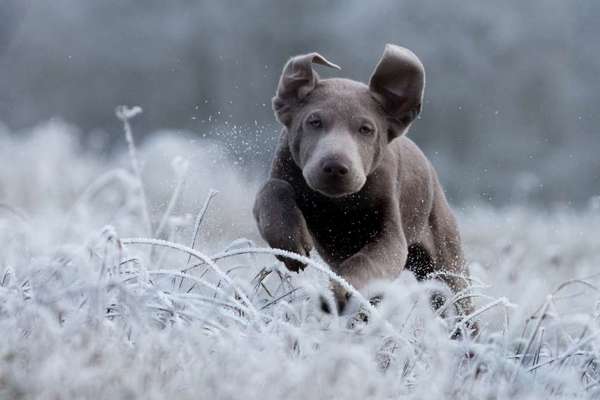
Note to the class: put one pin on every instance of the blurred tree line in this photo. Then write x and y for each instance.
(511, 111)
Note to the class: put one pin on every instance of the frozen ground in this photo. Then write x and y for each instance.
(88, 312)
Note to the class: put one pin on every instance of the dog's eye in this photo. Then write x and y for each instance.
(315, 122)
(365, 130)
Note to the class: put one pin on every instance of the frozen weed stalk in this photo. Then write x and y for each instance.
(90, 315)
(125, 113)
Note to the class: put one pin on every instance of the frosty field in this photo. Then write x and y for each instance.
(114, 289)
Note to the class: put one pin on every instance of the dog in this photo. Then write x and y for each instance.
(347, 181)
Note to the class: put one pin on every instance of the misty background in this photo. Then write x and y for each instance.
(511, 103)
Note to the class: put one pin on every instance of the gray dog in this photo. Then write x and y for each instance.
(346, 180)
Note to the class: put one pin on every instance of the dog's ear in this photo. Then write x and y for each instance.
(398, 83)
(297, 80)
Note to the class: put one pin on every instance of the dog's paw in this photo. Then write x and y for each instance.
(325, 305)
(298, 242)
(293, 265)
(339, 301)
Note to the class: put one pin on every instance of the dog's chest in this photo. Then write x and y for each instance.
(340, 227)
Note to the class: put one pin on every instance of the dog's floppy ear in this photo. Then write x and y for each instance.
(398, 83)
(297, 80)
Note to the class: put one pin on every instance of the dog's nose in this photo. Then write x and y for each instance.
(334, 168)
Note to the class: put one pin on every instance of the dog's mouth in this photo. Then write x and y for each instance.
(335, 188)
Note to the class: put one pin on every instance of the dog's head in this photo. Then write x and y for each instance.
(338, 128)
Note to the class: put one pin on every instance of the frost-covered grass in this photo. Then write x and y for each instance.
(197, 308)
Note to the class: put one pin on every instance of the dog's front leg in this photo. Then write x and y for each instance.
(281, 222)
(383, 257)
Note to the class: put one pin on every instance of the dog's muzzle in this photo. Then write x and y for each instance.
(334, 177)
